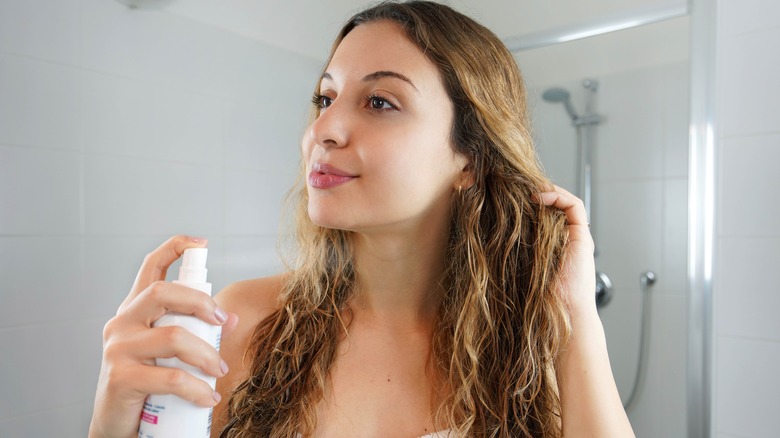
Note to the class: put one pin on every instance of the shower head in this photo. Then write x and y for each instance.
(555, 95)
(560, 95)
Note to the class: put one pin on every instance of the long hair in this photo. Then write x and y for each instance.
(502, 322)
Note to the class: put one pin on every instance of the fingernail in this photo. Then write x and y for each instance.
(197, 239)
(220, 315)
(215, 395)
(224, 367)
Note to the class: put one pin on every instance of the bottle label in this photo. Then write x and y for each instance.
(149, 418)
(151, 412)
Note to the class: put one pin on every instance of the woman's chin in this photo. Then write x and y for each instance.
(328, 219)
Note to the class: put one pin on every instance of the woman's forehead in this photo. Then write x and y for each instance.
(381, 46)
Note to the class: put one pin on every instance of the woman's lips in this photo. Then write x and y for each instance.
(325, 176)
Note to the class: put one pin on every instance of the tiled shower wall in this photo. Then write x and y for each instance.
(119, 128)
(639, 221)
(746, 333)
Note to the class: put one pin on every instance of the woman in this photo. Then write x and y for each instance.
(443, 285)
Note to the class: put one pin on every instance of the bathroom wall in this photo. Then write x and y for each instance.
(102, 111)
(639, 216)
(746, 337)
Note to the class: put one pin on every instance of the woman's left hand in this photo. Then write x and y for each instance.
(578, 273)
(590, 402)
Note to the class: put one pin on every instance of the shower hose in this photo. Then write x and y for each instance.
(645, 281)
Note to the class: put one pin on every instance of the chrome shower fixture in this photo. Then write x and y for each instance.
(603, 289)
(561, 95)
(555, 95)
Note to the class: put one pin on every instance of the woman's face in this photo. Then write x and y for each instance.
(379, 155)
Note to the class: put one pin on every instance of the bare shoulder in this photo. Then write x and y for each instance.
(253, 301)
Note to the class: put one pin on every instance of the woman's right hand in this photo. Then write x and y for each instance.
(130, 345)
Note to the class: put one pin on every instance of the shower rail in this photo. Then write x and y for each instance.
(606, 24)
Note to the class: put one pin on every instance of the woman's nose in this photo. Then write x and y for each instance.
(331, 128)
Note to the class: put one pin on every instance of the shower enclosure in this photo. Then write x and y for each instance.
(585, 126)
(611, 119)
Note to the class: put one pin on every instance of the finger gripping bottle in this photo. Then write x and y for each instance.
(168, 416)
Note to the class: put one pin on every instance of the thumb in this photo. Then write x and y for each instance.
(230, 324)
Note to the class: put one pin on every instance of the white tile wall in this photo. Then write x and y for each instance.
(673, 275)
(741, 16)
(252, 257)
(747, 83)
(43, 280)
(677, 117)
(137, 119)
(253, 138)
(68, 421)
(139, 196)
(629, 139)
(252, 200)
(748, 385)
(119, 128)
(741, 289)
(35, 93)
(661, 405)
(40, 191)
(49, 366)
(149, 46)
(629, 243)
(745, 209)
(746, 336)
(46, 29)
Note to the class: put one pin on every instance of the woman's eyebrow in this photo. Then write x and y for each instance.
(379, 75)
(388, 74)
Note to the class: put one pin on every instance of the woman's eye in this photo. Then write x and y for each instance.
(378, 103)
(321, 101)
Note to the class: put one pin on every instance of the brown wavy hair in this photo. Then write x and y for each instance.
(502, 322)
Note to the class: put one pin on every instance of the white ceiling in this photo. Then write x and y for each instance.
(308, 26)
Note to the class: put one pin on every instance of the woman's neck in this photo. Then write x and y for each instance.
(399, 277)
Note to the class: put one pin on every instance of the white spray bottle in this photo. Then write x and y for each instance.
(168, 416)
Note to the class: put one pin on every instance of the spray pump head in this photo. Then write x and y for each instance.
(193, 265)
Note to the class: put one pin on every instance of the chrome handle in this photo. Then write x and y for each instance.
(603, 289)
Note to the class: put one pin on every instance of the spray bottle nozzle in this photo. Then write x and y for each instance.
(193, 265)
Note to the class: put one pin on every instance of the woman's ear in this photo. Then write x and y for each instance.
(467, 178)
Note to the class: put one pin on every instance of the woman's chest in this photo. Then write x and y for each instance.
(378, 388)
